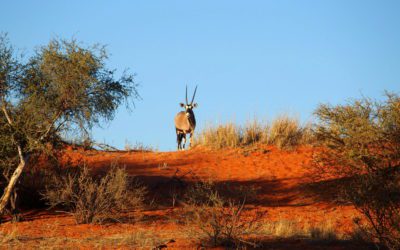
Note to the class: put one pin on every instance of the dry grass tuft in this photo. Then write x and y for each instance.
(220, 136)
(284, 229)
(253, 132)
(295, 229)
(138, 147)
(284, 132)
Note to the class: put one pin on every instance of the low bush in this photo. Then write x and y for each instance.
(360, 141)
(219, 221)
(93, 200)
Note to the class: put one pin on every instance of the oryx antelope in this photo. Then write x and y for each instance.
(185, 122)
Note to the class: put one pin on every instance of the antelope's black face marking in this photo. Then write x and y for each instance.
(188, 107)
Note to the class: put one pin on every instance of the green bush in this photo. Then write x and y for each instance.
(361, 141)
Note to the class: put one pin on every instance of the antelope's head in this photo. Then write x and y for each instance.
(189, 106)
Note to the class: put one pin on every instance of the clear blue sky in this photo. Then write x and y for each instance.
(248, 57)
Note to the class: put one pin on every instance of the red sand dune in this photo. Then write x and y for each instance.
(285, 186)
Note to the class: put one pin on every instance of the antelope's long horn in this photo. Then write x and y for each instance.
(194, 94)
(186, 96)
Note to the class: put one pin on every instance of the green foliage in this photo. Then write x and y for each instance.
(65, 87)
(361, 140)
(71, 84)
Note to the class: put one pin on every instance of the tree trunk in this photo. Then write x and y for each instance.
(13, 180)
(23, 158)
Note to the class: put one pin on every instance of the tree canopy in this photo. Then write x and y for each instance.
(64, 86)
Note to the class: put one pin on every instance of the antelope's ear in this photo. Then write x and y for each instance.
(194, 105)
(182, 105)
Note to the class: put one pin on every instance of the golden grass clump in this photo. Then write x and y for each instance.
(220, 136)
(297, 229)
(284, 132)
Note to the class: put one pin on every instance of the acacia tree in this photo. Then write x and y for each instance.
(361, 141)
(64, 86)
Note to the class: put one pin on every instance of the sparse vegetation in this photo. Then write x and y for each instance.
(92, 200)
(218, 221)
(138, 146)
(137, 239)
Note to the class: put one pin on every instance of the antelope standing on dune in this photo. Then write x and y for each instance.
(185, 122)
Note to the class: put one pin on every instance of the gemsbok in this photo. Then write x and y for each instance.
(185, 122)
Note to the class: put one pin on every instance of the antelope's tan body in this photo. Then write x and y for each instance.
(185, 124)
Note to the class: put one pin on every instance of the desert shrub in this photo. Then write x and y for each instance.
(219, 221)
(361, 141)
(92, 200)
(201, 193)
(285, 132)
(206, 191)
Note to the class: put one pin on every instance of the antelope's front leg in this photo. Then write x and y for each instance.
(183, 141)
(190, 140)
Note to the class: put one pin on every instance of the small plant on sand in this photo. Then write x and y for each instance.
(217, 221)
(93, 200)
(138, 146)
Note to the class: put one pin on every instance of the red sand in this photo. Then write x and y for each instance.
(280, 177)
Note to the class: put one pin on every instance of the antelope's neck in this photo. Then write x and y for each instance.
(192, 120)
